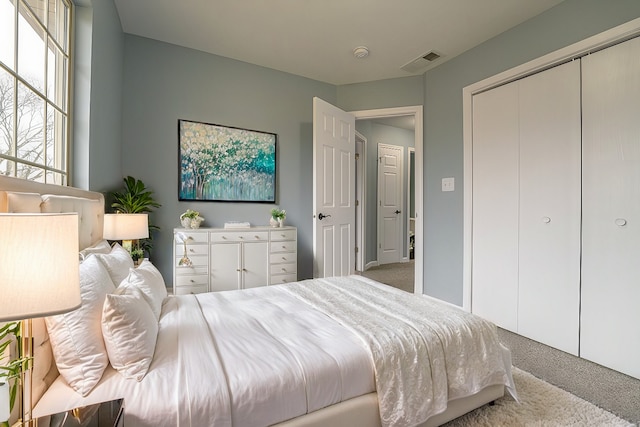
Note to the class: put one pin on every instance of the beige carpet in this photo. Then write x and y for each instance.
(399, 275)
(541, 405)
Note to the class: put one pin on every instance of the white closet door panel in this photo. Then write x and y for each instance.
(495, 206)
(225, 264)
(255, 264)
(549, 241)
(610, 314)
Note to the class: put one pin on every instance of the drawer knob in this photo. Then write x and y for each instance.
(237, 269)
(284, 269)
(257, 237)
(621, 222)
(241, 237)
(191, 250)
(244, 269)
(284, 247)
(283, 235)
(224, 237)
(192, 281)
(284, 258)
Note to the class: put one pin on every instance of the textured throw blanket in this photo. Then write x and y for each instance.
(425, 351)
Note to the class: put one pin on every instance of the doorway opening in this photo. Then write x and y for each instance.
(380, 126)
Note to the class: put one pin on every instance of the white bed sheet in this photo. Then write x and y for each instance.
(267, 341)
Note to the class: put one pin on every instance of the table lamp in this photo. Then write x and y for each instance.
(126, 227)
(39, 276)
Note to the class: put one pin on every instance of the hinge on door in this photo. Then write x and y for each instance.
(379, 245)
(357, 202)
(357, 249)
(357, 156)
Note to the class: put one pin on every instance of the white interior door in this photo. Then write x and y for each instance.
(390, 194)
(333, 190)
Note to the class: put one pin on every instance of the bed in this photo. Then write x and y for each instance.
(337, 351)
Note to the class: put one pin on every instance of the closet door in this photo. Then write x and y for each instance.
(549, 212)
(610, 314)
(495, 206)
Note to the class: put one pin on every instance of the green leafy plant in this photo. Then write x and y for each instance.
(136, 198)
(278, 214)
(11, 372)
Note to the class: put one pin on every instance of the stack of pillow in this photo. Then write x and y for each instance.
(117, 322)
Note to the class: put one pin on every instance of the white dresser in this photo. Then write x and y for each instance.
(228, 259)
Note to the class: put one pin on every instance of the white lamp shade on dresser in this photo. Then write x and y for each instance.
(39, 268)
(122, 226)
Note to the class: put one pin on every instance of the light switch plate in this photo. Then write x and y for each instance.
(448, 184)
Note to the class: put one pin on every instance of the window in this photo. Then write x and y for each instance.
(34, 89)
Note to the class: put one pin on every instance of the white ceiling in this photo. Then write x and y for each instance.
(316, 38)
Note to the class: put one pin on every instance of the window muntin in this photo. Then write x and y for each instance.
(34, 89)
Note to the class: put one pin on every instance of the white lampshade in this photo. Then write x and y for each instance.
(39, 269)
(123, 226)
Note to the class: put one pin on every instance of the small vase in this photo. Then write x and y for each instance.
(273, 222)
(195, 222)
(186, 222)
(281, 222)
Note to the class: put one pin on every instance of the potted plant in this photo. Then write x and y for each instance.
(11, 373)
(277, 217)
(191, 219)
(136, 198)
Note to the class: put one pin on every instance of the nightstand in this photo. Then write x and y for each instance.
(105, 414)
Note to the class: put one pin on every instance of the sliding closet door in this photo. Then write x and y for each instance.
(495, 206)
(610, 314)
(549, 229)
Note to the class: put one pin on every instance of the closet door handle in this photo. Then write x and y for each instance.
(621, 222)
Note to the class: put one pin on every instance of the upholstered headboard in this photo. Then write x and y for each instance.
(20, 196)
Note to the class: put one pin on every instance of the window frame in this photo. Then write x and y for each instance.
(49, 154)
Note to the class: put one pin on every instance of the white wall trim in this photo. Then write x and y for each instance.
(361, 211)
(597, 42)
(415, 111)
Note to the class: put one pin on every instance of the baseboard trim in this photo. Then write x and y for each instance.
(370, 265)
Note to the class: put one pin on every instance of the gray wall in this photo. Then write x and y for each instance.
(381, 134)
(164, 83)
(98, 82)
(567, 23)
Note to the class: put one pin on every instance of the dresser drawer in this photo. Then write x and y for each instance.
(283, 246)
(185, 290)
(195, 280)
(240, 236)
(283, 257)
(196, 237)
(192, 249)
(277, 235)
(196, 260)
(277, 279)
(283, 268)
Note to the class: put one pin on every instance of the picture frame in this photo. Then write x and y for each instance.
(219, 163)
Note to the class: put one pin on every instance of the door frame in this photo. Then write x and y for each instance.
(417, 112)
(576, 50)
(361, 197)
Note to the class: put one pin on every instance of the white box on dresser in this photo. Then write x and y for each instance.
(228, 259)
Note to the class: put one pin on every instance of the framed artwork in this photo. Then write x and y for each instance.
(225, 164)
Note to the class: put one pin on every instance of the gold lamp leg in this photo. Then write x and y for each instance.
(25, 351)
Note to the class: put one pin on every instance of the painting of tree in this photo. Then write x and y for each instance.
(221, 163)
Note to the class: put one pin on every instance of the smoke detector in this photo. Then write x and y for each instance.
(421, 62)
(361, 52)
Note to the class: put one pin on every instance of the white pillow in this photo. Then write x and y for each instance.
(101, 247)
(118, 263)
(76, 337)
(130, 330)
(148, 279)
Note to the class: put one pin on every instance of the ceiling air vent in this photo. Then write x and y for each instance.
(421, 62)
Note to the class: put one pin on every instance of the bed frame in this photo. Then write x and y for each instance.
(362, 410)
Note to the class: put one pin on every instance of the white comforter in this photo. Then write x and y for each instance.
(260, 356)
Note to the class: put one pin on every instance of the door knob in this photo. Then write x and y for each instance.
(322, 216)
(397, 212)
